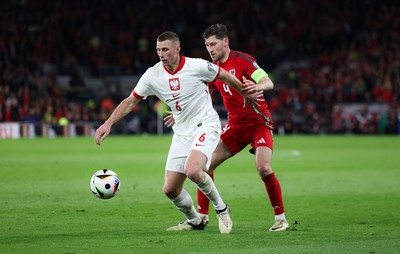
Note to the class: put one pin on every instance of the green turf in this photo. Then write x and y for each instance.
(342, 192)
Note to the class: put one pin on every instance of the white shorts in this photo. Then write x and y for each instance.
(205, 139)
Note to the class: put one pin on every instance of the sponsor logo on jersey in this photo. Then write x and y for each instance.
(261, 141)
(174, 84)
(175, 95)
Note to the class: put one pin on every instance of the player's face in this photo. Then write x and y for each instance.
(218, 49)
(168, 52)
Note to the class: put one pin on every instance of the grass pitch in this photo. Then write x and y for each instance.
(341, 195)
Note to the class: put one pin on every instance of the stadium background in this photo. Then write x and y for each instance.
(65, 65)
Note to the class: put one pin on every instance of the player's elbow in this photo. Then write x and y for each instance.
(267, 83)
(271, 85)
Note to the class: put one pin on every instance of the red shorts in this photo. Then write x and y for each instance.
(238, 136)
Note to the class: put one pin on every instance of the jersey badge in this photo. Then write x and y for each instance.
(210, 67)
(174, 84)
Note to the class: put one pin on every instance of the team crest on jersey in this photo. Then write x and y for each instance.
(233, 71)
(174, 84)
(210, 67)
(256, 65)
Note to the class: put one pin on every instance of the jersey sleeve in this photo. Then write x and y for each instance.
(208, 71)
(253, 70)
(143, 87)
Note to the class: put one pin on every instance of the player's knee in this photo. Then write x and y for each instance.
(264, 170)
(193, 174)
(171, 192)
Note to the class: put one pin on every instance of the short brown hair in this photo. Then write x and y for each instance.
(219, 30)
(168, 36)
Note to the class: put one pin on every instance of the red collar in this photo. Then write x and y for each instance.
(182, 61)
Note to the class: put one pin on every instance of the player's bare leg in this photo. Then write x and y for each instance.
(263, 163)
(173, 189)
(194, 166)
(220, 154)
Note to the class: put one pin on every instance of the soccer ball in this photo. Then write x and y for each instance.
(105, 184)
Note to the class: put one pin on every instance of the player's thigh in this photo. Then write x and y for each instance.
(263, 161)
(263, 157)
(220, 154)
(173, 183)
(263, 142)
(194, 166)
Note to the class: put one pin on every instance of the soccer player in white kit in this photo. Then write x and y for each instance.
(180, 82)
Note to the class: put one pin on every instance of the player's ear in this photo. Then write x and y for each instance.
(178, 48)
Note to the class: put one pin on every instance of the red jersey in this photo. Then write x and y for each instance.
(241, 64)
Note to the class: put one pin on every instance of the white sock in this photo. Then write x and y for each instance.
(184, 203)
(207, 186)
(280, 216)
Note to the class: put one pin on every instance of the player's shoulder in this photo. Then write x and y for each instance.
(235, 54)
(155, 68)
(194, 60)
(200, 63)
(152, 72)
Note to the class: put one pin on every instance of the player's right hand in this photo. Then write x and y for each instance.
(169, 119)
(102, 132)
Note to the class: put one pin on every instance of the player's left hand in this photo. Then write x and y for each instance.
(102, 132)
(169, 119)
(251, 92)
(250, 87)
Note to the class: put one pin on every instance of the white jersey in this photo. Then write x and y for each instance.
(185, 91)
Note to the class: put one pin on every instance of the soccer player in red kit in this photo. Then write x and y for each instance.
(251, 124)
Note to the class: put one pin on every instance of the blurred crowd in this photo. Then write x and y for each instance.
(319, 54)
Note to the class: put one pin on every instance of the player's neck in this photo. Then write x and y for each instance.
(225, 57)
(173, 66)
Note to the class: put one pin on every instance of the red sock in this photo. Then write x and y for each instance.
(274, 192)
(203, 202)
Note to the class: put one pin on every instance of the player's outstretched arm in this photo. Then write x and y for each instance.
(231, 80)
(265, 84)
(257, 89)
(120, 111)
(234, 82)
